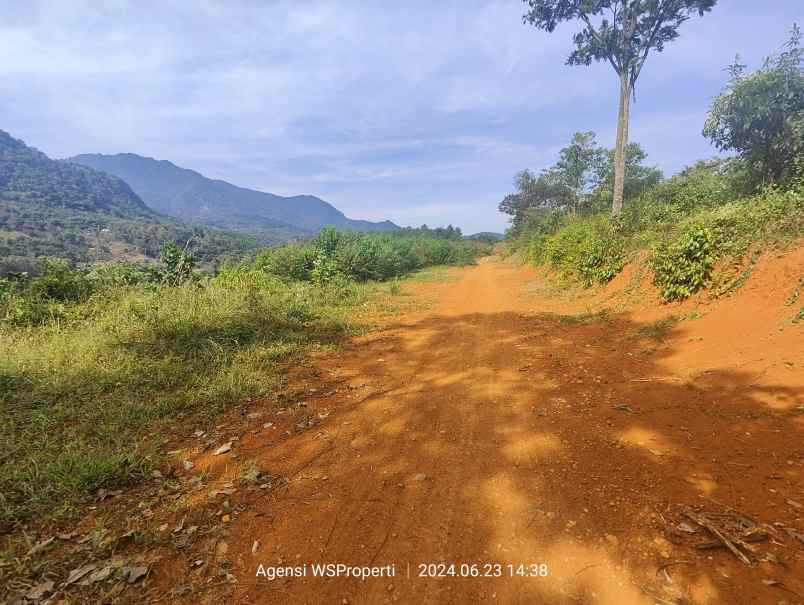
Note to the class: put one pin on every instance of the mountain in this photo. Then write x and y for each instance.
(191, 196)
(56, 208)
(28, 176)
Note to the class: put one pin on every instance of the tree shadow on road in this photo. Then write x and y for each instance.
(536, 439)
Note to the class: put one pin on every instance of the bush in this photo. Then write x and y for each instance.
(683, 267)
(50, 295)
(588, 249)
(689, 221)
(292, 261)
(761, 115)
(178, 263)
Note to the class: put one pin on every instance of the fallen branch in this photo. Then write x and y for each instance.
(710, 527)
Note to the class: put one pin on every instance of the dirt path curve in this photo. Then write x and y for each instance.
(484, 433)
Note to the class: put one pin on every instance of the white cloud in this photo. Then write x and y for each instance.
(389, 110)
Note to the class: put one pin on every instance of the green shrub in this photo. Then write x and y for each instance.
(682, 267)
(50, 295)
(365, 256)
(292, 261)
(325, 269)
(689, 221)
(588, 249)
(177, 263)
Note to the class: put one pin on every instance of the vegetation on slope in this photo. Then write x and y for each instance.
(687, 224)
(191, 196)
(710, 213)
(95, 361)
(53, 208)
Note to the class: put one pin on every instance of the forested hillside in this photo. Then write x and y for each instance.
(191, 196)
(29, 176)
(55, 208)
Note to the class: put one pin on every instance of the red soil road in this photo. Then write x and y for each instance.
(484, 431)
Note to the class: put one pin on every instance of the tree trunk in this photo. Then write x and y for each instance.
(622, 142)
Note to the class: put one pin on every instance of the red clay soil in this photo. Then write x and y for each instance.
(492, 433)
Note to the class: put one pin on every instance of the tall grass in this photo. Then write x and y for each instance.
(81, 400)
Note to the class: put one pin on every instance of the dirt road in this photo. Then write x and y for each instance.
(491, 435)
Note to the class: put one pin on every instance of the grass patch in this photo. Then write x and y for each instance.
(658, 330)
(437, 274)
(603, 316)
(83, 402)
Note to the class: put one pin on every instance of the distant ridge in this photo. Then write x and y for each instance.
(190, 196)
(29, 176)
(56, 208)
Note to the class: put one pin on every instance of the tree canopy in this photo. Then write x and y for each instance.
(761, 115)
(622, 32)
(626, 30)
(578, 182)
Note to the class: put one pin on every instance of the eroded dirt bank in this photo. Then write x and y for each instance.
(488, 430)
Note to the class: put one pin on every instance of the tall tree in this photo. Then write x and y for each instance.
(622, 32)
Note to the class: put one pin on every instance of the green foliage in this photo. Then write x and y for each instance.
(335, 254)
(579, 165)
(639, 178)
(684, 266)
(627, 33)
(51, 295)
(448, 232)
(761, 115)
(178, 263)
(29, 231)
(588, 249)
(325, 269)
(30, 177)
(705, 185)
(689, 222)
(83, 400)
(534, 198)
(579, 182)
(292, 261)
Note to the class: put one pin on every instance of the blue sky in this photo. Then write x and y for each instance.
(413, 111)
